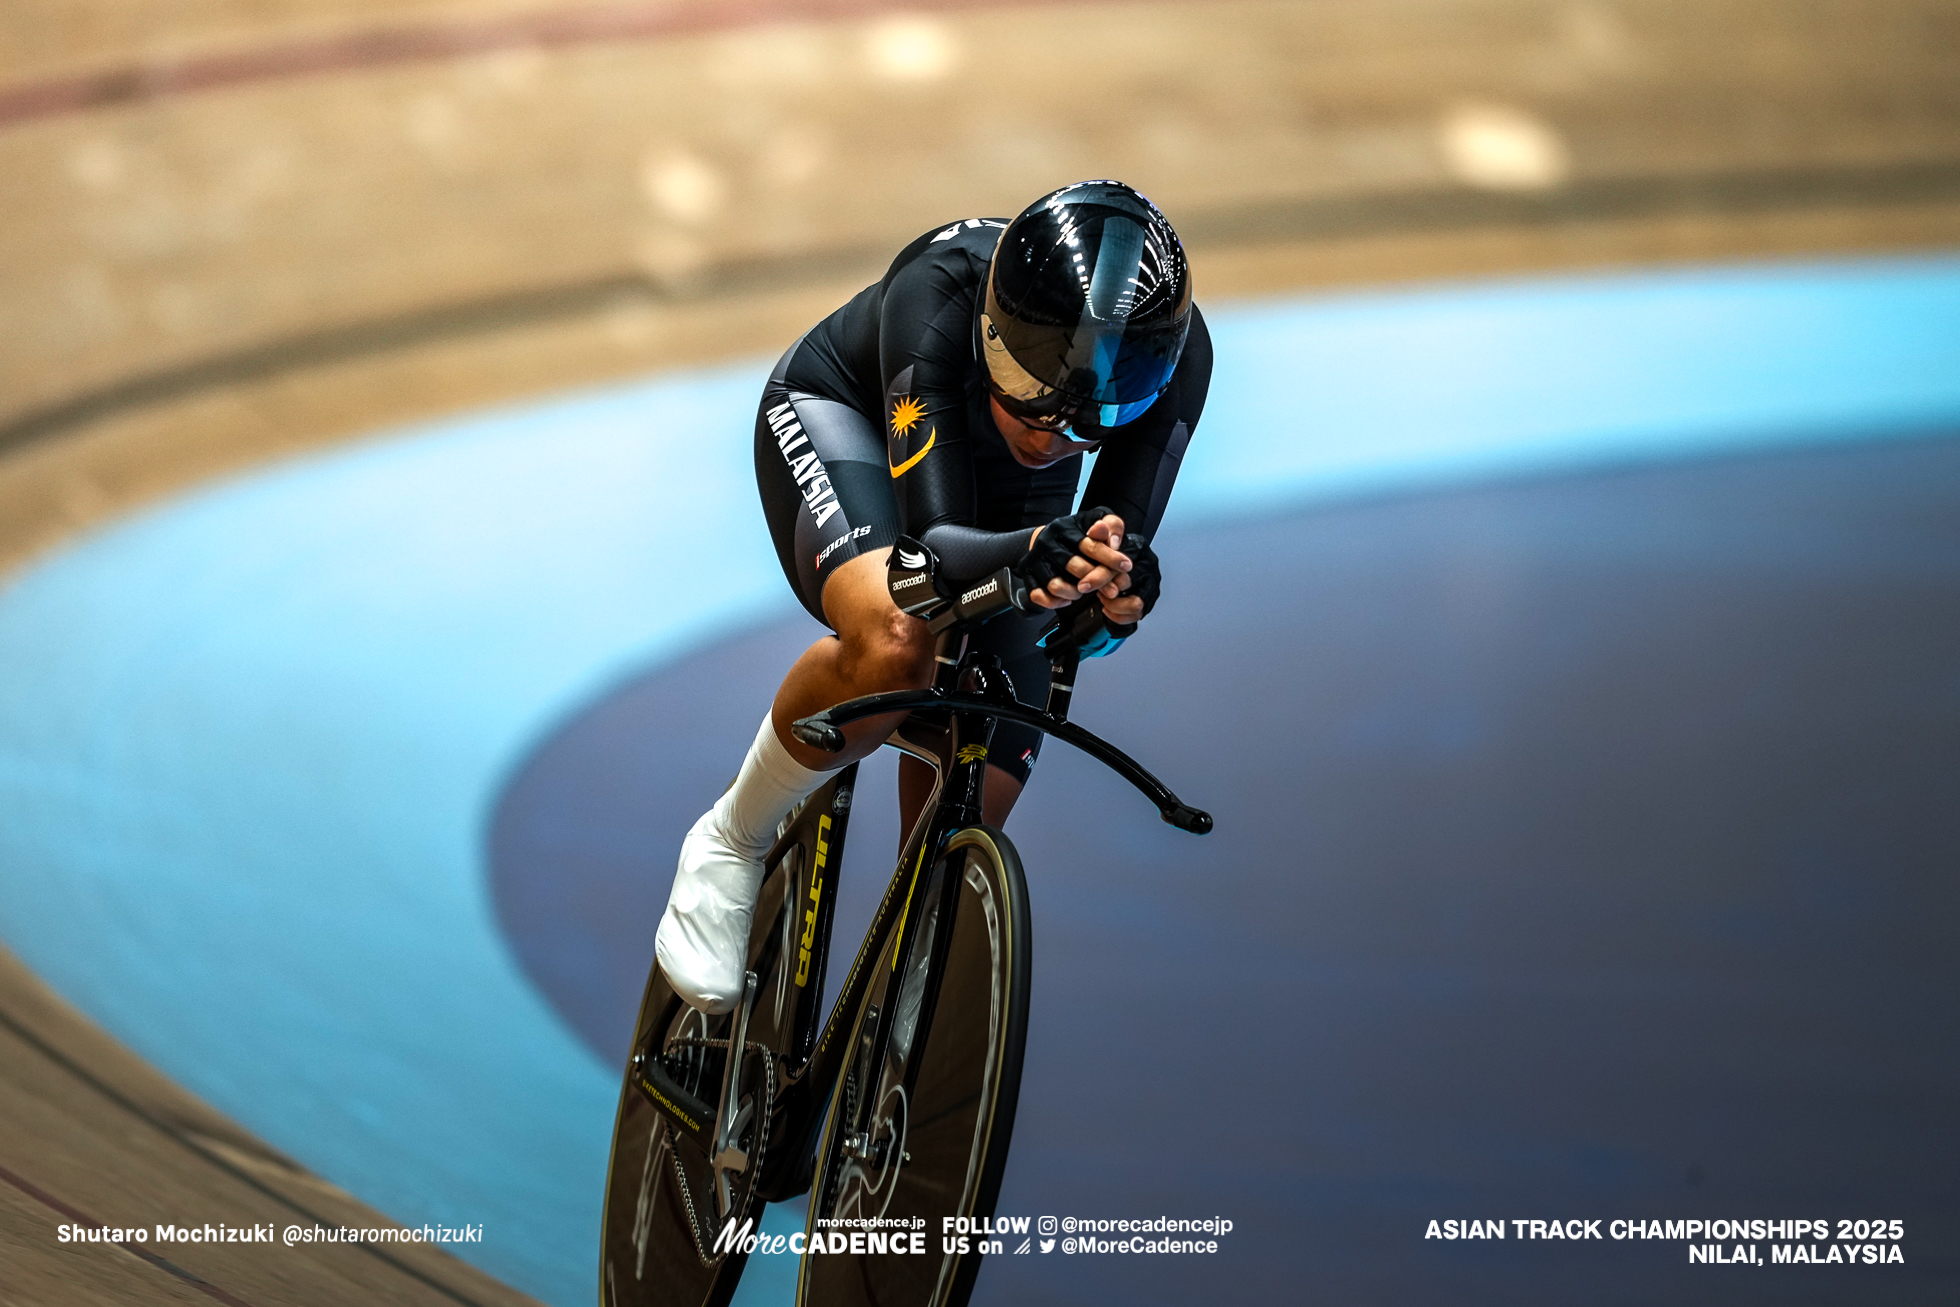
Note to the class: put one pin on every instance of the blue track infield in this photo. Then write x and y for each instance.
(1583, 845)
(252, 744)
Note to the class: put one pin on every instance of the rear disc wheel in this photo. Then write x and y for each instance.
(667, 1205)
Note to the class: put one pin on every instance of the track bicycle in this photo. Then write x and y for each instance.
(897, 1110)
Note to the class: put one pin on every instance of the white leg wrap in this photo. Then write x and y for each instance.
(703, 938)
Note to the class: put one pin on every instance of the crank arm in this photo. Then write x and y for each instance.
(824, 731)
(725, 1155)
(688, 1113)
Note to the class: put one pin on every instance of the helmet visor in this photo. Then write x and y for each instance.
(1102, 359)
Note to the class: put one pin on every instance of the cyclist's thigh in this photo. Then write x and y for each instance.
(826, 490)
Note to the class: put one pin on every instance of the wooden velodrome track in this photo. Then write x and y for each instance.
(275, 224)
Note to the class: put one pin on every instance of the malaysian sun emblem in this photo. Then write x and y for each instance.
(906, 414)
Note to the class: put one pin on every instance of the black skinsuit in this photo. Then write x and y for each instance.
(877, 423)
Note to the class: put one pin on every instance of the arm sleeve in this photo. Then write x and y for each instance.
(1138, 467)
(925, 348)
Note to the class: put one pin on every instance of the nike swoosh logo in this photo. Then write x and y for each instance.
(913, 461)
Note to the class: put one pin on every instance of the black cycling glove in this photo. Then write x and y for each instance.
(1062, 539)
(1145, 577)
(1058, 542)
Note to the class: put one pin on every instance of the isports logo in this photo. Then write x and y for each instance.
(855, 533)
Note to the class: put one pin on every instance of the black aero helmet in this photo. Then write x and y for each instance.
(1087, 305)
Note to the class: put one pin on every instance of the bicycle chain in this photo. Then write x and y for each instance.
(703, 1239)
(848, 1120)
(691, 1041)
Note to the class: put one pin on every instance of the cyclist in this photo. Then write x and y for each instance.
(952, 402)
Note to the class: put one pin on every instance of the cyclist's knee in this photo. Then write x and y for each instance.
(888, 651)
(883, 648)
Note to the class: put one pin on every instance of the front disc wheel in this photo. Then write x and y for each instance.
(919, 1126)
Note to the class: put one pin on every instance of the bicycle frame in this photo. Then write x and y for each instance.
(949, 727)
(953, 744)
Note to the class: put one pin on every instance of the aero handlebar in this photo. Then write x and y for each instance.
(822, 731)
